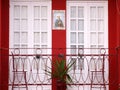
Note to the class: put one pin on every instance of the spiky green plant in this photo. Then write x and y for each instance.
(60, 71)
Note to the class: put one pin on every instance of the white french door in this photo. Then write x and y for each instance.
(30, 24)
(87, 27)
(87, 24)
(30, 27)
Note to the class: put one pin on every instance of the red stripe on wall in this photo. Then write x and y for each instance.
(4, 44)
(58, 36)
(59, 47)
(113, 61)
(0, 45)
(59, 4)
(118, 34)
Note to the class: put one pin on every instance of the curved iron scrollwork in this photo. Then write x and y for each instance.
(89, 71)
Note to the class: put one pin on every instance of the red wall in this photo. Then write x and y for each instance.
(59, 40)
(4, 43)
(58, 36)
(0, 44)
(113, 43)
(58, 4)
(118, 34)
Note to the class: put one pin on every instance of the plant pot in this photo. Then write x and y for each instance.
(61, 85)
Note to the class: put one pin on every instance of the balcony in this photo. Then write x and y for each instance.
(90, 72)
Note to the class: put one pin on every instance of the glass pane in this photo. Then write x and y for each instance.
(44, 37)
(16, 11)
(93, 50)
(80, 50)
(93, 38)
(73, 37)
(24, 50)
(92, 12)
(24, 25)
(100, 25)
(100, 51)
(44, 50)
(73, 49)
(16, 37)
(24, 37)
(74, 66)
(17, 46)
(24, 12)
(100, 12)
(37, 24)
(92, 67)
(44, 11)
(81, 12)
(37, 12)
(100, 38)
(81, 46)
(81, 38)
(36, 37)
(16, 24)
(73, 24)
(36, 46)
(100, 66)
(73, 11)
(37, 49)
(44, 24)
(101, 46)
(80, 63)
(93, 25)
(80, 24)
(44, 64)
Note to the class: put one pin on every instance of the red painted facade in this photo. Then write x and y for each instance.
(0, 43)
(113, 43)
(59, 40)
(118, 34)
(4, 43)
(58, 36)
(58, 4)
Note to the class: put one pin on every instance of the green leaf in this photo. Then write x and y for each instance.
(60, 70)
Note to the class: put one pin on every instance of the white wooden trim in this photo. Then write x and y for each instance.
(30, 0)
(87, 5)
(30, 21)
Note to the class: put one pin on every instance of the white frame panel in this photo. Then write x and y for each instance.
(86, 4)
(87, 20)
(30, 31)
(30, 20)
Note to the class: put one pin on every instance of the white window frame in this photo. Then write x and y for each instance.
(30, 43)
(87, 22)
(83, 72)
(30, 20)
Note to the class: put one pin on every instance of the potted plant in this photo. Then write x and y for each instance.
(60, 73)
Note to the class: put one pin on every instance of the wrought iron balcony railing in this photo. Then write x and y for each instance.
(91, 70)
